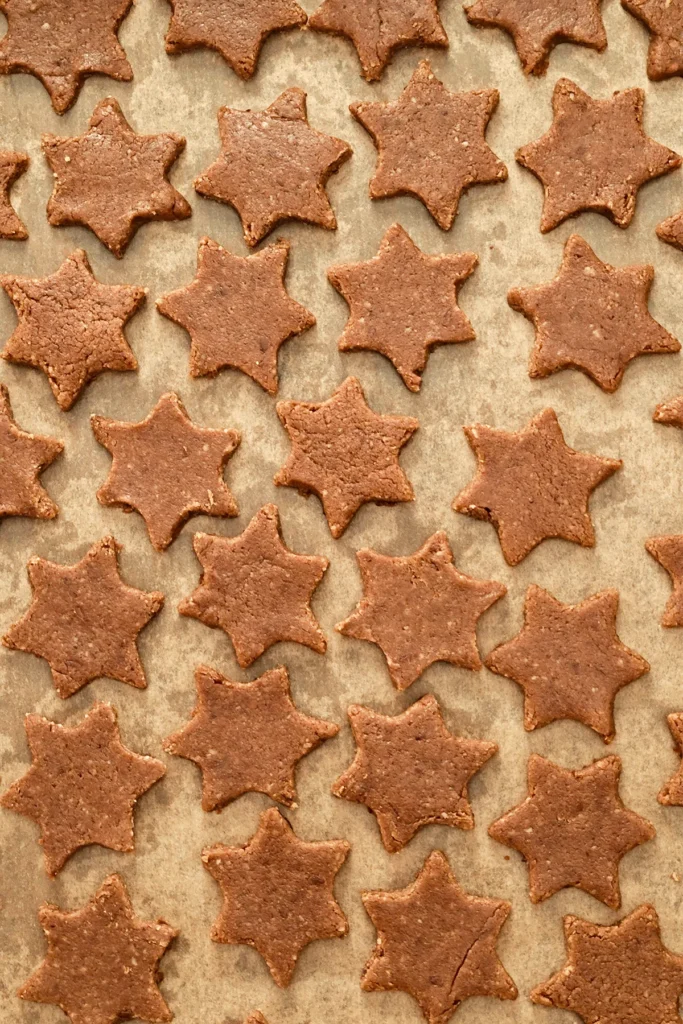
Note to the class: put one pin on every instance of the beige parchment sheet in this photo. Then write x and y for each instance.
(484, 381)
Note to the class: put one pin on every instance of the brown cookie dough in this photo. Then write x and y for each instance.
(61, 42)
(247, 737)
(345, 453)
(403, 302)
(664, 19)
(102, 963)
(436, 942)
(670, 412)
(273, 166)
(379, 27)
(537, 26)
(531, 485)
(671, 794)
(616, 973)
(668, 551)
(112, 180)
(411, 771)
(671, 231)
(569, 661)
(237, 312)
(420, 609)
(573, 829)
(237, 29)
(84, 620)
(166, 468)
(595, 156)
(23, 457)
(82, 785)
(256, 589)
(71, 326)
(431, 143)
(256, 1018)
(592, 316)
(277, 893)
(12, 166)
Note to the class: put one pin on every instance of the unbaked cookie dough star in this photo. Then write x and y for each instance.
(12, 166)
(23, 457)
(671, 794)
(668, 551)
(664, 19)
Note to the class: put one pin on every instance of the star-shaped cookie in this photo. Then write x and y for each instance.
(84, 620)
(166, 468)
(531, 485)
(664, 19)
(616, 973)
(277, 893)
(61, 43)
(411, 771)
(573, 829)
(112, 180)
(595, 156)
(247, 737)
(82, 785)
(671, 794)
(71, 326)
(431, 143)
(102, 963)
(569, 661)
(345, 453)
(670, 412)
(537, 26)
(592, 316)
(12, 166)
(256, 589)
(420, 609)
(380, 27)
(237, 312)
(403, 302)
(273, 166)
(23, 457)
(436, 942)
(237, 29)
(668, 551)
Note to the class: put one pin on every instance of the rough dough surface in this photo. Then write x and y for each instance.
(23, 457)
(671, 794)
(664, 19)
(668, 551)
(12, 166)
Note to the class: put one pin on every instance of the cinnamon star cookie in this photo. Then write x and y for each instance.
(277, 893)
(664, 19)
(111, 180)
(12, 166)
(431, 143)
(411, 771)
(668, 551)
(436, 942)
(23, 457)
(247, 737)
(670, 412)
(256, 589)
(420, 609)
(82, 785)
(569, 661)
(403, 302)
(71, 326)
(671, 230)
(273, 166)
(237, 312)
(345, 453)
(595, 156)
(671, 794)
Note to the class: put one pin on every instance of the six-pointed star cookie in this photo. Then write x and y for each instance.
(256, 589)
(419, 609)
(411, 771)
(237, 29)
(84, 620)
(71, 326)
(237, 312)
(273, 166)
(538, 25)
(436, 942)
(531, 485)
(277, 893)
(595, 156)
(61, 42)
(12, 166)
(403, 302)
(23, 457)
(431, 143)
(573, 829)
(111, 180)
(166, 468)
(82, 785)
(345, 453)
(664, 19)
(247, 737)
(671, 794)
(670, 412)
(569, 661)
(668, 551)
(616, 973)
(671, 230)
(102, 963)
(591, 316)
(378, 27)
